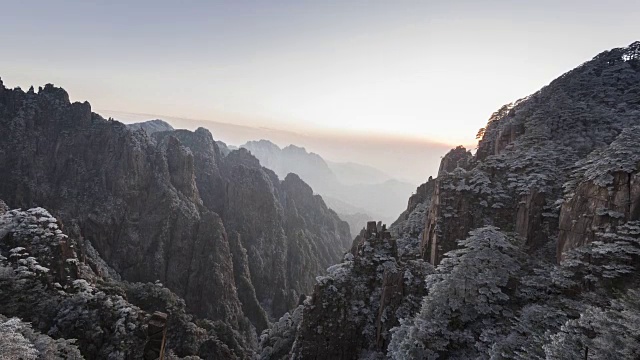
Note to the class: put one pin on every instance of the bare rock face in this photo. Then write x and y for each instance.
(289, 234)
(180, 164)
(422, 194)
(530, 219)
(252, 209)
(206, 160)
(390, 299)
(246, 291)
(507, 135)
(408, 229)
(605, 192)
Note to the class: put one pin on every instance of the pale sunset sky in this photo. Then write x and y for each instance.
(392, 84)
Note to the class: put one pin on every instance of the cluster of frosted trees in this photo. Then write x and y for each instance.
(489, 300)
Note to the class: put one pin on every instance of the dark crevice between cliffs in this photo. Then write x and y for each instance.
(193, 251)
(629, 197)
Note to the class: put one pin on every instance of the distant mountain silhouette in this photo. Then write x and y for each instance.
(360, 189)
(350, 173)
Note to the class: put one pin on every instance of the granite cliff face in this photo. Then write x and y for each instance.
(604, 192)
(289, 234)
(164, 207)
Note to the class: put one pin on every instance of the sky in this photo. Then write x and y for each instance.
(393, 84)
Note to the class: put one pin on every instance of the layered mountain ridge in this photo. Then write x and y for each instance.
(223, 233)
(357, 192)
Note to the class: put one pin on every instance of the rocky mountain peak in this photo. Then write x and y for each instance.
(55, 92)
(243, 156)
(455, 158)
(293, 180)
(151, 126)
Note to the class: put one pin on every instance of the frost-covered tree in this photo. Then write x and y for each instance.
(601, 333)
(467, 307)
(44, 282)
(276, 342)
(602, 263)
(18, 340)
(13, 344)
(568, 310)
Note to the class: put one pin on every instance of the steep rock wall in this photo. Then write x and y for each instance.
(604, 192)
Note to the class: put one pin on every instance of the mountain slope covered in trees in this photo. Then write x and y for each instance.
(529, 248)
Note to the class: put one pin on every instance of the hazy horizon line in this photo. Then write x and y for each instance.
(343, 133)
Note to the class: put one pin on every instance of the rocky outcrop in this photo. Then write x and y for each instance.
(408, 229)
(151, 126)
(182, 175)
(353, 308)
(206, 163)
(422, 194)
(455, 158)
(289, 234)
